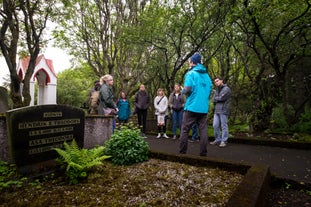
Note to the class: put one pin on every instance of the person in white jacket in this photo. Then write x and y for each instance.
(161, 112)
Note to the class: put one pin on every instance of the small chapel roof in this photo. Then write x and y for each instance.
(25, 62)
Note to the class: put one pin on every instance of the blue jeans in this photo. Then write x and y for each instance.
(177, 120)
(221, 121)
(114, 125)
(194, 131)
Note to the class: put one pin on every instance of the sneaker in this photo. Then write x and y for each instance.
(165, 136)
(191, 140)
(174, 137)
(222, 144)
(159, 136)
(213, 143)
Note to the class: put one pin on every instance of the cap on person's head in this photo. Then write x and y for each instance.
(196, 58)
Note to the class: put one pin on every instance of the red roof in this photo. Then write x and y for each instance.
(25, 62)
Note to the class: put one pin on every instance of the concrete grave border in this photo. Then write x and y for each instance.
(252, 190)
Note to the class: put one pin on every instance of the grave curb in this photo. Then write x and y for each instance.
(252, 190)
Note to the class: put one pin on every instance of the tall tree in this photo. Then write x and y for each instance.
(176, 30)
(93, 32)
(23, 23)
(275, 34)
(10, 31)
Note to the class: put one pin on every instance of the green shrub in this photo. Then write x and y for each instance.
(305, 122)
(126, 146)
(77, 162)
(278, 119)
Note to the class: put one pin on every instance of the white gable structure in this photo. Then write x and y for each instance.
(46, 77)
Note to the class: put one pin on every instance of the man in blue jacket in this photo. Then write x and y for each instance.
(197, 88)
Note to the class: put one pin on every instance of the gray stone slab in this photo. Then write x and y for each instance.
(34, 132)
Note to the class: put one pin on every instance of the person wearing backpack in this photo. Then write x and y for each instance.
(93, 98)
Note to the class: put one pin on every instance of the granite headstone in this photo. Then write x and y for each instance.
(34, 132)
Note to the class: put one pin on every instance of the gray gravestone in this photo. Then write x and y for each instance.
(34, 131)
(4, 106)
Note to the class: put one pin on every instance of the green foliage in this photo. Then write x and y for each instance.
(242, 127)
(7, 171)
(126, 146)
(77, 162)
(9, 177)
(278, 118)
(74, 92)
(304, 124)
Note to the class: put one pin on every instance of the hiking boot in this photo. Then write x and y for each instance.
(165, 136)
(159, 136)
(213, 143)
(222, 144)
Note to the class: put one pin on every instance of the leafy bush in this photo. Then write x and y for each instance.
(305, 122)
(78, 162)
(304, 125)
(278, 118)
(126, 146)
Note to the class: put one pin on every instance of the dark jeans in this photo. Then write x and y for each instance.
(189, 118)
(142, 119)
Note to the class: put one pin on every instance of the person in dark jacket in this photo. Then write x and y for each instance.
(124, 108)
(107, 105)
(176, 102)
(221, 100)
(197, 88)
(142, 103)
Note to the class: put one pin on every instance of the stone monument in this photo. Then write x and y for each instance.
(34, 132)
